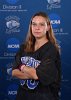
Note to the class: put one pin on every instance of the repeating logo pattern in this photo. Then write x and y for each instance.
(14, 18)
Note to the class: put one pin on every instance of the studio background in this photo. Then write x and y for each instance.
(14, 20)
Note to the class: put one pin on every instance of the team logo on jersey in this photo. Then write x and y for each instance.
(30, 62)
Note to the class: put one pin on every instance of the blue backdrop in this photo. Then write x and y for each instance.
(14, 20)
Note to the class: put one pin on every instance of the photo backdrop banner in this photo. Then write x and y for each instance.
(14, 20)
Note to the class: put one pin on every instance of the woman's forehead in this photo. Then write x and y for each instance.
(39, 18)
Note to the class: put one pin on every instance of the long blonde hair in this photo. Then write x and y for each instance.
(30, 39)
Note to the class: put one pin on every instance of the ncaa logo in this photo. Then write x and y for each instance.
(55, 20)
(12, 1)
(12, 91)
(53, 1)
(12, 44)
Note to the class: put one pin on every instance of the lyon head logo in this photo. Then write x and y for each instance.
(53, 1)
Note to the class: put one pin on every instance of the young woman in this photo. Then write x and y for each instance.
(37, 63)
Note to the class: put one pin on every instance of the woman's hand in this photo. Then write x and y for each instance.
(22, 68)
(29, 72)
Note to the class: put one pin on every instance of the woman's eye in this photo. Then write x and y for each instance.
(34, 24)
(42, 24)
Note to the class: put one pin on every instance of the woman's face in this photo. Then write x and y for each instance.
(39, 27)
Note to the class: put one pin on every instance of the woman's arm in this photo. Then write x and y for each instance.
(29, 71)
(17, 73)
(25, 73)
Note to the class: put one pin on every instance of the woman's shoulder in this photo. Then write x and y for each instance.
(51, 48)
